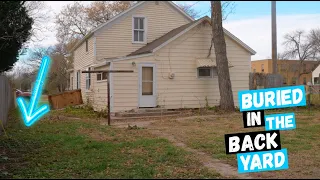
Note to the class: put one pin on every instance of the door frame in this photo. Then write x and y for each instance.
(154, 66)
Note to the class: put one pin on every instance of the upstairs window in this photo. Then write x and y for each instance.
(86, 45)
(139, 29)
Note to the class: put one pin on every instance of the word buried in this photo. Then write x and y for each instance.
(261, 151)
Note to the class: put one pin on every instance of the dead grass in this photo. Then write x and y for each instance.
(207, 134)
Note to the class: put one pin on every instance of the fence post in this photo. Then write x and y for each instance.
(5, 100)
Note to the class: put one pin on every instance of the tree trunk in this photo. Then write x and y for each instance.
(226, 95)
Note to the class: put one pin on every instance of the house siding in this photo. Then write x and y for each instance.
(315, 73)
(185, 90)
(83, 60)
(100, 92)
(116, 41)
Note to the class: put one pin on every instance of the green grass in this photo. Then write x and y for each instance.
(64, 148)
(207, 135)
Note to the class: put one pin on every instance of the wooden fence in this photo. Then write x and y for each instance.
(262, 81)
(7, 98)
(68, 98)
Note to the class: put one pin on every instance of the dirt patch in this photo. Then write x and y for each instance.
(94, 134)
(226, 170)
(204, 137)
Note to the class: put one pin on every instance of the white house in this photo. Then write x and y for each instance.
(168, 52)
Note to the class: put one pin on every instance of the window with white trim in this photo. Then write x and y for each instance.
(88, 79)
(139, 29)
(87, 48)
(207, 72)
(71, 83)
(102, 76)
(78, 79)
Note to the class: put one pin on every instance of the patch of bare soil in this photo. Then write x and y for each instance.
(226, 170)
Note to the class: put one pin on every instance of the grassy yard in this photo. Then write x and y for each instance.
(69, 148)
(207, 135)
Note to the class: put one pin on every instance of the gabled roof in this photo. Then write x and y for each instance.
(156, 43)
(175, 33)
(123, 13)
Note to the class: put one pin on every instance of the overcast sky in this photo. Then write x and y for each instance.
(250, 22)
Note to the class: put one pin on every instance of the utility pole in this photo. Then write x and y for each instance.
(274, 36)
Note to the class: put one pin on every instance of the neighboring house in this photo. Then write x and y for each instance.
(316, 75)
(287, 68)
(167, 50)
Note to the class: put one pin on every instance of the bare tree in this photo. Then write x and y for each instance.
(72, 22)
(35, 56)
(228, 7)
(226, 95)
(76, 20)
(301, 46)
(39, 11)
(190, 10)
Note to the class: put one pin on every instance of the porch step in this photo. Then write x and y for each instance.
(117, 118)
(146, 114)
(151, 110)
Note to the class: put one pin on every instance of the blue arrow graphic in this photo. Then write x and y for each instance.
(31, 115)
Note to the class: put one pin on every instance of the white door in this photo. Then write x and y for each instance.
(147, 85)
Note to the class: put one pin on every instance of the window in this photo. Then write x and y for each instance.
(71, 83)
(316, 80)
(262, 67)
(88, 79)
(102, 76)
(87, 46)
(139, 29)
(284, 80)
(205, 72)
(78, 79)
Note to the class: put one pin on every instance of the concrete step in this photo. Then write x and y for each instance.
(114, 118)
(151, 110)
(143, 114)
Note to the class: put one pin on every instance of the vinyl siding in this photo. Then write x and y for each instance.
(117, 40)
(82, 60)
(315, 73)
(185, 90)
(100, 92)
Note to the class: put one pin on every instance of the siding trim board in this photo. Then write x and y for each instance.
(122, 59)
(111, 87)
